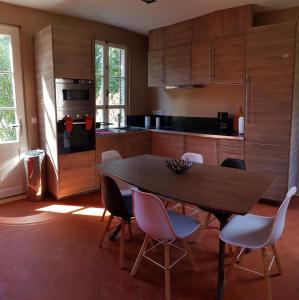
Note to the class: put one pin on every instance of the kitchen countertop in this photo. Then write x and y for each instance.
(130, 129)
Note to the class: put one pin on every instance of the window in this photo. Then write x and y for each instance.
(111, 83)
(8, 114)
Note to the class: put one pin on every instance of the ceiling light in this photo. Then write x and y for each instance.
(149, 1)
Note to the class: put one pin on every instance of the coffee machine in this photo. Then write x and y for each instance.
(223, 121)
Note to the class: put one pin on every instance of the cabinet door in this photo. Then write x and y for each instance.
(270, 72)
(201, 62)
(167, 145)
(73, 53)
(203, 27)
(156, 68)
(76, 173)
(208, 147)
(271, 160)
(230, 149)
(140, 143)
(232, 21)
(177, 34)
(178, 65)
(155, 39)
(229, 60)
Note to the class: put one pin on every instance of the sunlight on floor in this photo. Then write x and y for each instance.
(91, 211)
(58, 208)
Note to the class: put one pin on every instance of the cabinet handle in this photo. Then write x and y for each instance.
(162, 68)
(211, 63)
(247, 99)
(230, 148)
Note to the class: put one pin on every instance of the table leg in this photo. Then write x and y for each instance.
(222, 218)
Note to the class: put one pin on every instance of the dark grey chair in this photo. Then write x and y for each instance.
(120, 207)
(234, 163)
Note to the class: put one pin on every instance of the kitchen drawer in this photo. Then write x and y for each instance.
(230, 149)
(77, 173)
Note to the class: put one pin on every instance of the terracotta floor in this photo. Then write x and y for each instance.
(55, 256)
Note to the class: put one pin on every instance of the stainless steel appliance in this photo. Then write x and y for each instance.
(75, 105)
(74, 97)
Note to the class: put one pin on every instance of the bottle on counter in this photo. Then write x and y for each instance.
(238, 114)
(147, 121)
(158, 122)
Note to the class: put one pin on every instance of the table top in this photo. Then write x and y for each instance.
(209, 187)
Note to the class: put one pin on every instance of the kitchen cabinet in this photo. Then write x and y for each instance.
(203, 28)
(177, 34)
(77, 173)
(168, 145)
(228, 60)
(232, 21)
(156, 68)
(73, 53)
(208, 147)
(230, 149)
(269, 104)
(201, 62)
(178, 65)
(156, 39)
(140, 143)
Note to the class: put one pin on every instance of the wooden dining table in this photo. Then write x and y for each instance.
(218, 190)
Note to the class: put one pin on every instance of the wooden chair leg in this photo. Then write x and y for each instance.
(167, 272)
(232, 263)
(230, 250)
(266, 273)
(187, 248)
(183, 209)
(277, 261)
(105, 231)
(166, 204)
(130, 230)
(122, 243)
(208, 218)
(140, 254)
(103, 215)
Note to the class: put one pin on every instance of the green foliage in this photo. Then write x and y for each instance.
(7, 116)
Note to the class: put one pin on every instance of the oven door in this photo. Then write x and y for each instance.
(78, 140)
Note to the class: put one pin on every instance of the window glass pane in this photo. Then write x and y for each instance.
(6, 90)
(116, 62)
(7, 119)
(5, 53)
(116, 91)
(99, 59)
(99, 90)
(115, 115)
(99, 115)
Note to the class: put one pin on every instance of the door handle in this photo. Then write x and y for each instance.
(247, 99)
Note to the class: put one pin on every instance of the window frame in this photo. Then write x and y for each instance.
(106, 107)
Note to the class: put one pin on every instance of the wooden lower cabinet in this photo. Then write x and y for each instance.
(140, 143)
(230, 149)
(208, 147)
(168, 144)
(273, 160)
(76, 173)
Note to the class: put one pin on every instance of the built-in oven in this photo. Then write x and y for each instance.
(75, 107)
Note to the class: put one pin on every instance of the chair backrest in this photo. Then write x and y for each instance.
(112, 198)
(193, 157)
(234, 163)
(279, 222)
(151, 216)
(110, 156)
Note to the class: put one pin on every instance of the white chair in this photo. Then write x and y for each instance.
(257, 232)
(164, 227)
(124, 187)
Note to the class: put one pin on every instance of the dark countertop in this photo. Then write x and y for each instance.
(203, 133)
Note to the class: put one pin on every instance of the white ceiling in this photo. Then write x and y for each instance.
(138, 16)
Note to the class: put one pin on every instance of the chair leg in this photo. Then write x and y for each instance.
(183, 209)
(122, 244)
(166, 204)
(103, 215)
(167, 272)
(266, 273)
(187, 248)
(230, 250)
(105, 231)
(276, 258)
(140, 254)
(130, 229)
(232, 263)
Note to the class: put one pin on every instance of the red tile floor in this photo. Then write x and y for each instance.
(55, 256)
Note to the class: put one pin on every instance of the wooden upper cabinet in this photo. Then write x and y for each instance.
(232, 21)
(201, 62)
(270, 72)
(228, 60)
(73, 53)
(155, 39)
(178, 65)
(156, 68)
(203, 28)
(177, 34)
